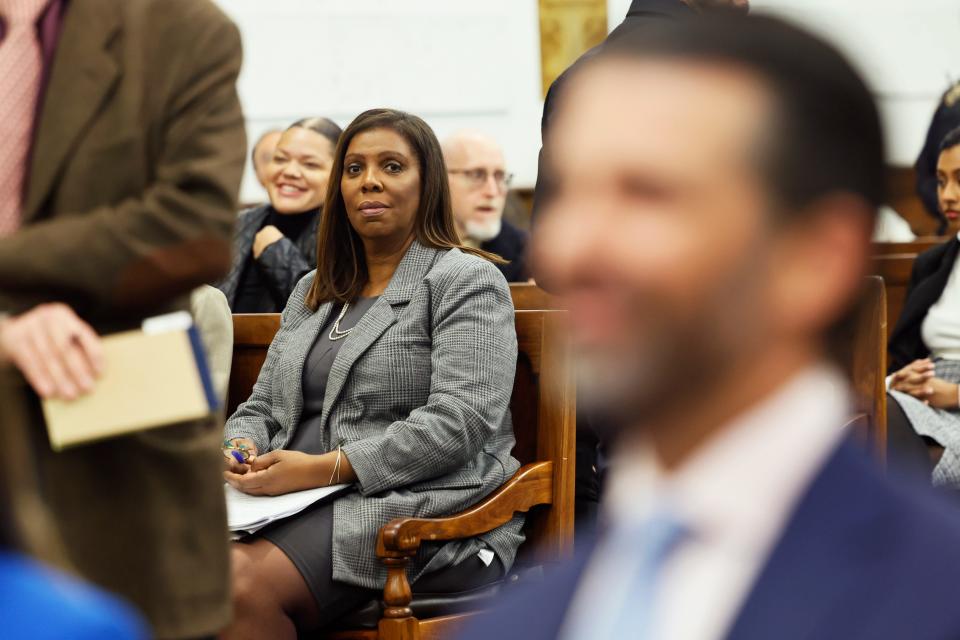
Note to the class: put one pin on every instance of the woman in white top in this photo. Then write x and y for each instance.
(924, 348)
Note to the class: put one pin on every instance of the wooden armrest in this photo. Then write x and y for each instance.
(531, 485)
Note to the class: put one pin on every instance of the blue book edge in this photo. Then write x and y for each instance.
(200, 356)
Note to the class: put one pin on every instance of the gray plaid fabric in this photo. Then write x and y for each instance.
(418, 397)
(941, 425)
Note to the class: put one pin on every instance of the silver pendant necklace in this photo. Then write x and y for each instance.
(335, 333)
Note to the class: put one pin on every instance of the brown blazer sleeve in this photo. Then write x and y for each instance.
(176, 235)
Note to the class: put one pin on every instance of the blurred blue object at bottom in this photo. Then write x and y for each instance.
(39, 603)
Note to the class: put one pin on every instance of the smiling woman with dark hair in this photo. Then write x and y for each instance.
(275, 244)
(392, 371)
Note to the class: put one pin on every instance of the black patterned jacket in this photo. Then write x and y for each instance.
(282, 264)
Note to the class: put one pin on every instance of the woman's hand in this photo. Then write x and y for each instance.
(914, 378)
(264, 238)
(230, 461)
(943, 394)
(938, 393)
(279, 472)
(919, 380)
(59, 354)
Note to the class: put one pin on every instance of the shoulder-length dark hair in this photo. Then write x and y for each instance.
(341, 262)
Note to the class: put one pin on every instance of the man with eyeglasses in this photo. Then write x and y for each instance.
(478, 188)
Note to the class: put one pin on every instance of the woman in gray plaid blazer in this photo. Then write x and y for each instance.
(392, 371)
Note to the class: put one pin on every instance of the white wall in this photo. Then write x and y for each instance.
(476, 63)
(456, 63)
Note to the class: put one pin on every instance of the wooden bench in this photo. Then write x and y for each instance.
(252, 333)
(530, 297)
(543, 409)
(895, 270)
(864, 349)
(867, 358)
(915, 247)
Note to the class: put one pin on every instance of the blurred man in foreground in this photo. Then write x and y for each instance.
(122, 152)
(478, 189)
(642, 17)
(711, 227)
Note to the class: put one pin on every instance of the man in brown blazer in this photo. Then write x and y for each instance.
(128, 204)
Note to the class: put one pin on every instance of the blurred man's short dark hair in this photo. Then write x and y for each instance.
(827, 135)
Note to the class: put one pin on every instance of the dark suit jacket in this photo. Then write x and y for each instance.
(931, 270)
(138, 152)
(642, 15)
(510, 244)
(282, 264)
(862, 557)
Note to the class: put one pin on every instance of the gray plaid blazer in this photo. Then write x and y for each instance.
(418, 397)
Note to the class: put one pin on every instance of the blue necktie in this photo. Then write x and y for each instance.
(644, 549)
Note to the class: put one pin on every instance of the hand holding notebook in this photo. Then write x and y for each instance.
(58, 353)
(150, 378)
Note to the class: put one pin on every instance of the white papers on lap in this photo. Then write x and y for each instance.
(249, 514)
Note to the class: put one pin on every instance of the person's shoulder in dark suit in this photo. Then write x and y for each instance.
(871, 556)
(642, 15)
(866, 553)
(510, 244)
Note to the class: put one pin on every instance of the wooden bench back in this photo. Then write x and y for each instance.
(895, 270)
(252, 335)
(868, 362)
(916, 246)
(530, 297)
(542, 405)
(864, 351)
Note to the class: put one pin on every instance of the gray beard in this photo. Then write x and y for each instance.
(483, 232)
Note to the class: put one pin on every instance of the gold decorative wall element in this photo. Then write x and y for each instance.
(568, 28)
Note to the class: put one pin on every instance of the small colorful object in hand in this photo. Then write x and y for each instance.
(237, 450)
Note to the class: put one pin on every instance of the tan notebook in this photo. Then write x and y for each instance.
(150, 379)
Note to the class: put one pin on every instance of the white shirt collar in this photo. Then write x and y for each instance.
(740, 487)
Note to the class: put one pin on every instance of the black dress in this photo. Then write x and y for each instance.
(307, 537)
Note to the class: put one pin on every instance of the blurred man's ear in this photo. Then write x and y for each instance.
(819, 263)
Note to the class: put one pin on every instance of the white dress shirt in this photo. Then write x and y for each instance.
(941, 327)
(734, 495)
